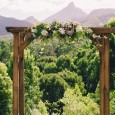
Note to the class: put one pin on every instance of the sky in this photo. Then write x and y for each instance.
(42, 9)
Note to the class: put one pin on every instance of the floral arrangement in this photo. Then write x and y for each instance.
(62, 31)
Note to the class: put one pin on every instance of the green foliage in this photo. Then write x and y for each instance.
(53, 87)
(63, 62)
(112, 103)
(65, 48)
(72, 79)
(42, 108)
(45, 62)
(111, 23)
(112, 62)
(5, 51)
(86, 64)
(50, 68)
(76, 104)
(5, 91)
(3, 69)
(32, 74)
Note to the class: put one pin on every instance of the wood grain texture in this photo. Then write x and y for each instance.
(15, 75)
(106, 79)
(102, 78)
(21, 79)
(25, 44)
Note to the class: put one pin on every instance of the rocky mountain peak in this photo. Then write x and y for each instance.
(71, 4)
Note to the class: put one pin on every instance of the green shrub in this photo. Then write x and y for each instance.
(5, 91)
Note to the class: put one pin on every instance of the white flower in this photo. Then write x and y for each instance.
(44, 33)
(34, 30)
(69, 32)
(62, 31)
(79, 28)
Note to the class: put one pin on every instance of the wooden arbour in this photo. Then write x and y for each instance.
(20, 43)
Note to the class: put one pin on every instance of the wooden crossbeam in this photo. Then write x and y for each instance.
(97, 30)
(103, 30)
(24, 44)
(18, 29)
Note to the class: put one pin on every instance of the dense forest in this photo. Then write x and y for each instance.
(60, 77)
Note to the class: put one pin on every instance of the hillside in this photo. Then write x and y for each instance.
(99, 17)
(4, 22)
(32, 20)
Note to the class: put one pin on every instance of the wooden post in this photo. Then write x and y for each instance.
(106, 80)
(104, 77)
(15, 75)
(21, 78)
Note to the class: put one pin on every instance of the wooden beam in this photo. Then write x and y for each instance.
(18, 29)
(15, 75)
(102, 78)
(103, 30)
(21, 79)
(24, 44)
(97, 30)
(106, 77)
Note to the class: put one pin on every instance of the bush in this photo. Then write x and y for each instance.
(76, 104)
(5, 91)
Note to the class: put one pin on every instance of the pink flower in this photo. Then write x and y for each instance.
(75, 23)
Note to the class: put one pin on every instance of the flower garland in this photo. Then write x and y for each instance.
(61, 31)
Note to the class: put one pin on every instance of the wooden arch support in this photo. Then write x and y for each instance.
(18, 67)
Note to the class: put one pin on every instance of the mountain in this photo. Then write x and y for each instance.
(69, 13)
(4, 22)
(99, 17)
(32, 20)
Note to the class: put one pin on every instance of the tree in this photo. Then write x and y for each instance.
(50, 68)
(32, 74)
(5, 51)
(53, 87)
(76, 104)
(112, 102)
(5, 91)
(72, 79)
(63, 62)
(86, 64)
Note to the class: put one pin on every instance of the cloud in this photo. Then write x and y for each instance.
(4, 3)
(45, 8)
(53, 5)
(27, 5)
